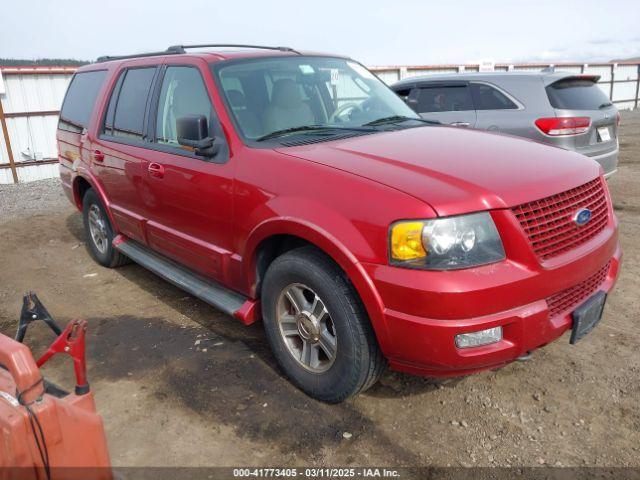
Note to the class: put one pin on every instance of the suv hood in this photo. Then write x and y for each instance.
(455, 170)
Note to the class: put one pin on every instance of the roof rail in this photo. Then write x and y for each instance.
(180, 49)
(183, 48)
(107, 58)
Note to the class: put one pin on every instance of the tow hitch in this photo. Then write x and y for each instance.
(48, 433)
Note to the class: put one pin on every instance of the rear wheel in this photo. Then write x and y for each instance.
(99, 232)
(317, 327)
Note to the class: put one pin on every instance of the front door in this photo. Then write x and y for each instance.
(447, 103)
(187, 197)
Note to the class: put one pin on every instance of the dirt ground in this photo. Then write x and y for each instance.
(179, 383)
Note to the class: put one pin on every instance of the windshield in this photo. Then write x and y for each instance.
(292, 94)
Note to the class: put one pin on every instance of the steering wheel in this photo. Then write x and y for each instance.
(353, 107)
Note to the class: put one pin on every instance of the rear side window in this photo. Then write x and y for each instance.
(111, 110)
(490, 98)
(80, 99)
(444, 99)
(576, 94)
(127, 106)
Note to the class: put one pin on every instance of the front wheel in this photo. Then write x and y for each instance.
(317, 327)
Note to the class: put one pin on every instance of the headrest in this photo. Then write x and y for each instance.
(286, 94)
(236, 98)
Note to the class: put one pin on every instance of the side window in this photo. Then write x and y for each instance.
(444, 99)
(183, 93)
(111, 109)
(489, 98)
(80, 99)
(403, 93)
(131, 102)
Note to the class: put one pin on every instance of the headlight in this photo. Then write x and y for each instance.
(446, 243)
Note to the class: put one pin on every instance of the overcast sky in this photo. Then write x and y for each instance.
(374, 32)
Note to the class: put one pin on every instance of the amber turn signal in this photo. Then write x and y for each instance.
(406, 241)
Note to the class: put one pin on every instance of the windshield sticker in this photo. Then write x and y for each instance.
(360, 70)
(335, 75)
(306, 69)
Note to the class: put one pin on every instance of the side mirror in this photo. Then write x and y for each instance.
(193, 131)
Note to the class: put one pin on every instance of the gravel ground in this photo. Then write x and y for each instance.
(35, 198)
(179, 383)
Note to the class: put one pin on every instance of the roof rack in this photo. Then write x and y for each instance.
(107, 58)
(180, 49)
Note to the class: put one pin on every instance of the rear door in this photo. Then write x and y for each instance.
(446, 102)
(187, 198)
(496, 110)
(580, 96)
(121, 147)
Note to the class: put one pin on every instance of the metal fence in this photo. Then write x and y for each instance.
(30, 100)
(620, 81)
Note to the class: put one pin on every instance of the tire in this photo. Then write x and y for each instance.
(344, 329)
(96, 220)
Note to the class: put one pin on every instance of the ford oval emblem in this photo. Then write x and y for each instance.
(582, 216)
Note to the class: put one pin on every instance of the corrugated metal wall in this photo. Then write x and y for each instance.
(30, 104)
(31, 98)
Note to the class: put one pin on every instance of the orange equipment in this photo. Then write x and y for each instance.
(45, 432)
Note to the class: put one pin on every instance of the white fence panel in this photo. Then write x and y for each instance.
(388, 76)
(34, 93)
(32, 173)
(624, 91)
(626, 105)
(626, 72)
(603, 70)
(33, 138)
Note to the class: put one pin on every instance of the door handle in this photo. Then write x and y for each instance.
(156, 170)
(460, 124)
(97, 156)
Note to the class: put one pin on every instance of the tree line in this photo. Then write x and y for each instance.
(41, 62)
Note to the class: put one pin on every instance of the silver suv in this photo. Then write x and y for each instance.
(558, 108)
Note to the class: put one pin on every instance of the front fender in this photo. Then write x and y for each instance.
(309, 220)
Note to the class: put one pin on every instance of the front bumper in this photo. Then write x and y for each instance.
(424, 311)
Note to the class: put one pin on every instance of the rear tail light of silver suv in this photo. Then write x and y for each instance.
(556, 126)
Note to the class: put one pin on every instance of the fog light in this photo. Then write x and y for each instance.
(476, 339)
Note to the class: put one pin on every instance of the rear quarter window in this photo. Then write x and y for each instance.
(80, 99)
(576, 94)
(489, 98)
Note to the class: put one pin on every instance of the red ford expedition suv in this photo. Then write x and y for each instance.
(296, 188)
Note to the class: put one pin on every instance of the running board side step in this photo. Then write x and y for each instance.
(209, 291)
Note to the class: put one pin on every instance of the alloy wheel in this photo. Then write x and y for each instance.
(306, 328)
(98, 228)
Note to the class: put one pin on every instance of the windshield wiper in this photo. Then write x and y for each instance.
(605, 105)
(399, 118)
(310, 128)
